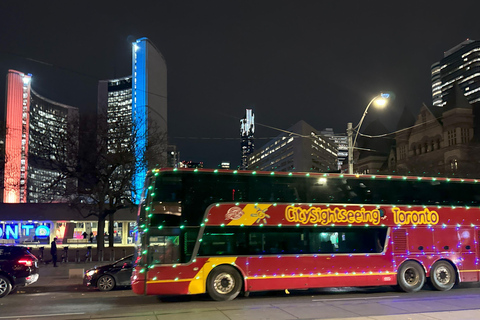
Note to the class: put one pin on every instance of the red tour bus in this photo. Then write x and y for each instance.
(226, 232)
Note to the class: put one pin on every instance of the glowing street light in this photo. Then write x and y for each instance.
(380, 101)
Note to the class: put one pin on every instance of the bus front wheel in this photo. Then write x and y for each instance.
(411, 277)
(224, 283)
(442, 276)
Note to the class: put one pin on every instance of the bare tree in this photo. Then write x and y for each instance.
(106, 165)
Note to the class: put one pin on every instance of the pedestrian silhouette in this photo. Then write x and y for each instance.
(53, 251)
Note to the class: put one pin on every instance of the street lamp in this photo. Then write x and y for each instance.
(380, 101)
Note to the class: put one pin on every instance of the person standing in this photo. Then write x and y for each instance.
(53, 251)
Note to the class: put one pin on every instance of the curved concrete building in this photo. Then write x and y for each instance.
(41, 142)
(133, 112)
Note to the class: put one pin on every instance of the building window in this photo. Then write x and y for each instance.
(402, 152)
(465, 135)
(452, 137)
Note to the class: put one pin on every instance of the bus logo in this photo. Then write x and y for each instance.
(248, 215)
(326, 216)
(415, 217)
(260, 215)
(234, 213)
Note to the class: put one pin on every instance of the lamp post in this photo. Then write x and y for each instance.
(380, 100)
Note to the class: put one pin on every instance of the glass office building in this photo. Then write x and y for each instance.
(460, 66)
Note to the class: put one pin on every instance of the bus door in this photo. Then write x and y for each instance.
(165, 273)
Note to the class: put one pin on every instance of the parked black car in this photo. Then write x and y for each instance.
(109, 276)
(18, 267)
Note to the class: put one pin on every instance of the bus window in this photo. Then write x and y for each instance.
(273, 241)
(360, 240)
(274, 189)
(218, 244)
(164, 250)
(168, 189)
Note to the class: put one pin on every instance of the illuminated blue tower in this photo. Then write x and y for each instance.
(149, 110)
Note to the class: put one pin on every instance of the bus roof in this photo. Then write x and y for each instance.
(315, 174)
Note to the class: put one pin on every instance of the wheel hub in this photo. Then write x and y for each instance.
(224, 283)
(105, 283)
(3, 286)
(442, 275)
(411, 277)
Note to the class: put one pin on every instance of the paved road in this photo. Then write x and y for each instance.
(57, 297)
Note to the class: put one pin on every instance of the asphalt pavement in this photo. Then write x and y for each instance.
(67, 278)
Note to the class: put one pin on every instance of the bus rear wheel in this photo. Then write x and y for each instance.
(224, 283)
(442, 276)
(411, 277)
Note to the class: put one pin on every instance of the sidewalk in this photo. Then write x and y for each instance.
(65, 274)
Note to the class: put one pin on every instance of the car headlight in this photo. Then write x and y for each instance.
(91, 272)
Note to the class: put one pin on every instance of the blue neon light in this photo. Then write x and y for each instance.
(139, 114)
(42, 231)
(12, 231)
(27, 228)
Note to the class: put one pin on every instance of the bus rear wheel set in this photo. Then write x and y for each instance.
(225, 283)
(411, 276)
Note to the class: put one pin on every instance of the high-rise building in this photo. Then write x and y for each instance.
(460, 65)
(149, 109)
(341, 141)
(173, 156)
(301, 149)
(135, 111)
(247, 129)
(41, 142)
(115, 109)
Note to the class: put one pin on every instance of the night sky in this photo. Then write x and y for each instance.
(318, 61)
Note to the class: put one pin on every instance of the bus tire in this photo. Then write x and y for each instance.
(442, 276)
(224, 283)
(411, 277)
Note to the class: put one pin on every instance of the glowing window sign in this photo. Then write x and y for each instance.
(14, 231)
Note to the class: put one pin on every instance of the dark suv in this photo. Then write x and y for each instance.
(18, 267)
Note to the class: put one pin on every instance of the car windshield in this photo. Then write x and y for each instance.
(126, 260)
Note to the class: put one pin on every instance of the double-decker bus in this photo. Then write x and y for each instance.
(227, 232)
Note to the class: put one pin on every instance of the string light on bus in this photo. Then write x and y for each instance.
(399, 225)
